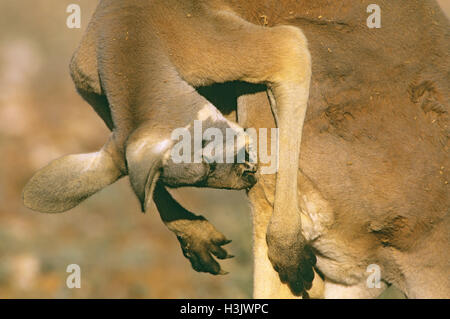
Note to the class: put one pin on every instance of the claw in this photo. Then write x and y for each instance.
(223, 272)
(226, 242)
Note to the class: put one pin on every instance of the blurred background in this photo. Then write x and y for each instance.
(122, 253)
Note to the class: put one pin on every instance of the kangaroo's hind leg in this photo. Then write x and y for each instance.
(84, 72)
(230, 49)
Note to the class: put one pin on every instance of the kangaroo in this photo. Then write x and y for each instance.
(138, 66)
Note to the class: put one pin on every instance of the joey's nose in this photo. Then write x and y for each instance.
(250, 168)
(250, 171)
(249, 174)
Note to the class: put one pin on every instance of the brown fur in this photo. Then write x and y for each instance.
(375, 144)
(142, 56)
(216, 45)
(374, 161)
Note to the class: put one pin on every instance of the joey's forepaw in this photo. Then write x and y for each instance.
(200, 241)
(295, 266)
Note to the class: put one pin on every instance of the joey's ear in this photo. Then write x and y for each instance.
(145, 160)
(69, 180)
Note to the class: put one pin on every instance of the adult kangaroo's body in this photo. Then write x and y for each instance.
(374, 163)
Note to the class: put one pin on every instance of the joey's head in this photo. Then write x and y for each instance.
(211, 152)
